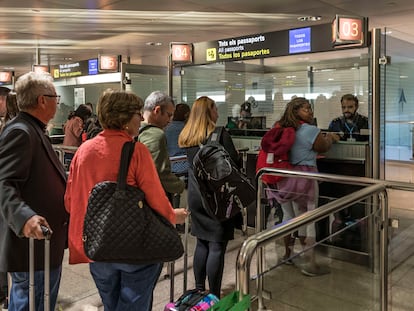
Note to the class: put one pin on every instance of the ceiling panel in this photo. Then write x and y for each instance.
(60, 30)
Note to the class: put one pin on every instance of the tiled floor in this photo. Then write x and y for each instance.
(348, 287)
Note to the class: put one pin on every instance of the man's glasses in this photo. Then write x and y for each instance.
(57, 97)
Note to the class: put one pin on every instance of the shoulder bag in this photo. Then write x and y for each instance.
(119, 225)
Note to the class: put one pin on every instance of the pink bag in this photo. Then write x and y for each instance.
(301, 190)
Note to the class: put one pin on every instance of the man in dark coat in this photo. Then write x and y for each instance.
(32, 187)
(3, 110)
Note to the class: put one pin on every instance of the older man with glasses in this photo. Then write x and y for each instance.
(32, 187)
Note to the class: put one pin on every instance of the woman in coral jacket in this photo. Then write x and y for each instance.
(121, 286)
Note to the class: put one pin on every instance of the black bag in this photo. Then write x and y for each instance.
(119, 225)
(224, 189)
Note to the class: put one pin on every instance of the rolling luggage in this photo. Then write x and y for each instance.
(171, 264)
(47, 234)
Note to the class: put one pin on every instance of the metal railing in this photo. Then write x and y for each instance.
(60, 151)
(255, 243)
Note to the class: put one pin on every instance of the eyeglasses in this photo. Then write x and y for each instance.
(169, 114)
(139, 114)
(57, 97)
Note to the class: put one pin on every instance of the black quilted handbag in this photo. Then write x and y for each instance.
(119, 225)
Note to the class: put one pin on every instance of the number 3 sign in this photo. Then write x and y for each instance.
(348, 30)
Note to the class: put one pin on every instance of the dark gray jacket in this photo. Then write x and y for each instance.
(32, 181)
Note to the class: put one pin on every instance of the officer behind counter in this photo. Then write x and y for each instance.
(349, 125)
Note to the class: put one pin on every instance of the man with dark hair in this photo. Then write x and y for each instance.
(349, 125)
(32, 188)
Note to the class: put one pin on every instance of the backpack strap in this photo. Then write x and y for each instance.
(215, 135)
(145, 127)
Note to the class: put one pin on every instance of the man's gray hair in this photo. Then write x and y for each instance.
(30, 86)
(157, 98)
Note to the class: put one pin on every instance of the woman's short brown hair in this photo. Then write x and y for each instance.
(116, 108)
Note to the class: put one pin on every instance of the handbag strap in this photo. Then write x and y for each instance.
(126, 155)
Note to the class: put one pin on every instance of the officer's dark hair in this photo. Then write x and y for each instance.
(350, 97)
(4, 91)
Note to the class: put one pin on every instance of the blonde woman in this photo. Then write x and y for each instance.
(212, 235)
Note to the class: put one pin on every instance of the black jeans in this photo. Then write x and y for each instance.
(209, 262)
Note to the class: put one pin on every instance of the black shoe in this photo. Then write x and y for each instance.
(6, 304)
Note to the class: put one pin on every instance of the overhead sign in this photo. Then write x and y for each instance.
(316, 38)
(70, 70)
(312, 39)
(93, 66)
(6, 77)
(349, 30)
(300, 40)
(109, 63)
(181, 52)
(40, 68)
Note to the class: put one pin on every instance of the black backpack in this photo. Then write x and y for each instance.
(224, 189)
(92, 127)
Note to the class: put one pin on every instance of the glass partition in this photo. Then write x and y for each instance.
(261, 88)
(399, 119)
(399, 110)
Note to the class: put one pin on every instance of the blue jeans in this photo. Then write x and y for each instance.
(19, 294)
(125, 287)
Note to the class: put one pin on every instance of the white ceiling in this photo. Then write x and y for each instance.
(64, 31)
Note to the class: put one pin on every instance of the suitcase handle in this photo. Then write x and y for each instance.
(47, 233)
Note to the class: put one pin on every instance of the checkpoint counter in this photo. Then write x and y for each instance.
(344, 158)
(351, 159)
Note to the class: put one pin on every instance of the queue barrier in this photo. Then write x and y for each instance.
(373, 188)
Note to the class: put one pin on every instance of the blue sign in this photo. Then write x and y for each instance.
(300, 40)
(93, 66)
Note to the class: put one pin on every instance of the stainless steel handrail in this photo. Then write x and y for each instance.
(64, 147)
(57, 136)
(256, 242)
(61, 149)
(179, 158)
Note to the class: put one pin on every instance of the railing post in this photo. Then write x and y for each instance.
(383, 198)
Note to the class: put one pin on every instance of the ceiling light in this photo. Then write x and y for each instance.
(309, 18)
(153, 43)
